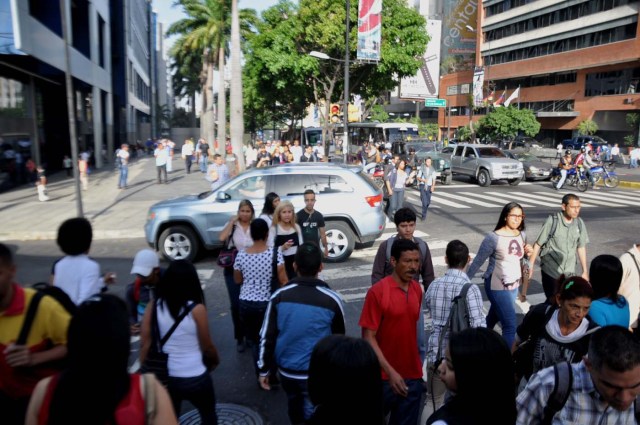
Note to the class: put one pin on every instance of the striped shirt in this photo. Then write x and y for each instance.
(438, 305)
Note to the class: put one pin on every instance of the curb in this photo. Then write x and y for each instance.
(630, 185)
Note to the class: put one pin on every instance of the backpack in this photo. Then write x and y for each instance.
(563, 373)
(43, 290)
(552, 232)
(458, 319)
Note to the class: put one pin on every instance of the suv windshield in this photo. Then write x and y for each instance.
(490, 153)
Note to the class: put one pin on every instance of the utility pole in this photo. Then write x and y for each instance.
(345, 141)
(71, 109)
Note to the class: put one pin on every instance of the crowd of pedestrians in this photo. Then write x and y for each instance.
(64, 346)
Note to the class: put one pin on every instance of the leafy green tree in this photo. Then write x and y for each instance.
(509, 122)
(587, 127)
(633, 120)
(318, 25)
(464, 133)
(377, 113)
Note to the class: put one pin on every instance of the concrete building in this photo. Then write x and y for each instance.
(33, 108)
(573, 61)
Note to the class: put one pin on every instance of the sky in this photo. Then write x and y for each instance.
(168, 15)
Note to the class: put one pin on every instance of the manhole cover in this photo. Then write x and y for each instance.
(228, 414)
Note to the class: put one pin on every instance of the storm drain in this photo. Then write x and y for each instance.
(228, 414)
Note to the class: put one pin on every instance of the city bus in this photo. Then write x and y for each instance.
(379, 133)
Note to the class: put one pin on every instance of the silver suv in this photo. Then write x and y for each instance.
(348, 199)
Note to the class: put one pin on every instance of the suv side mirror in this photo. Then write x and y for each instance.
(222, 196)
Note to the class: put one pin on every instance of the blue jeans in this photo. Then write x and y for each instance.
(300, 407)
(404, 410)
(563, 173)
(233, 289)
(199, 392)
(396, 202)
(502, 310)
(204, 163)
(425, 199)
(124, 173)
(633, 163)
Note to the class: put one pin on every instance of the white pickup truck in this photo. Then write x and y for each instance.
(485, 163)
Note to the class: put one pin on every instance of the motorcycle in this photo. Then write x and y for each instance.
(575, 178)
(605, 173)
(377, 175)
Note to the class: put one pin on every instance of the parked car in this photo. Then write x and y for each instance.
(441, 163)
(347, 197)
(577, 142)
(534, 168)
(523, 142)
(486, 163)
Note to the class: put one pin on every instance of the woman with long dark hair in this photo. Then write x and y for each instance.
(505, 248)
(192, 354)
(478, 371)
(608, 307)
(96, 387)
(271, 201)
(237, 229)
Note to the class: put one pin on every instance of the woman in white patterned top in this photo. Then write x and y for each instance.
(252, 270)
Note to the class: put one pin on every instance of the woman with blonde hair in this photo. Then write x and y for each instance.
(286, 235)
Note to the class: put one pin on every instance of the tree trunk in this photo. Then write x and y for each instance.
(237, 114)
(192, 114)
(210, 119)
(222, 103)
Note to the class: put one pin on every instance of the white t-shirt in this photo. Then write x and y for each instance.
(79, 276)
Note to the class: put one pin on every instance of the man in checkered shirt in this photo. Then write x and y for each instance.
(438, 305)
(605, 385)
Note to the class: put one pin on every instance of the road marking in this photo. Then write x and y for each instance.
(609, 199)
(496, 195)
(205, 274)
(545, 199)
(586, 199)
(438, 200)
(470, 201)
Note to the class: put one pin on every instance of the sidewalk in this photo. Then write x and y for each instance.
(114, 213)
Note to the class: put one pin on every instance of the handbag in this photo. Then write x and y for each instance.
(227, 255)
(156, 360)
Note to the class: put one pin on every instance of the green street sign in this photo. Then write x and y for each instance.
(435, 103)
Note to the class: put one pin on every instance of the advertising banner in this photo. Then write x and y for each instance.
(478, 81)
(425, 83)
(459, 35)
(369, 29)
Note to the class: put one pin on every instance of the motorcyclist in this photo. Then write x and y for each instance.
(564, 165)
(589, 163)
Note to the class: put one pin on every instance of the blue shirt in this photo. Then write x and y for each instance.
(606, 312)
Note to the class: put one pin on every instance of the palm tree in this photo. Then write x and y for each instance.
(202, 32)
(237, 115)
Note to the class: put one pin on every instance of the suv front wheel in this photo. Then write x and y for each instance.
(341, 241)
(178, 243)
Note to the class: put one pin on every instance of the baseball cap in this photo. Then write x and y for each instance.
(144, 262)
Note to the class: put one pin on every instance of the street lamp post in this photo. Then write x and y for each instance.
(345, 138)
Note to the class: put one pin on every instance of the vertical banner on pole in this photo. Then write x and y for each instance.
(478, 81)
(369, 29)
(424, 84)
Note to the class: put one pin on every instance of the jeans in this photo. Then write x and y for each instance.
(162, 169)
(204, 163)
(199, 392)
(502, 310)
(251, 318)
(563, 173)
(549, 285)
(425, 199)
(233, 289)
(396, 201)
(124, 173)
(300, 407)
(633, 163)
(187, 163)
(404, 410)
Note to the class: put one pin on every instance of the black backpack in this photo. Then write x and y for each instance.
(459, 318)
(43, 290)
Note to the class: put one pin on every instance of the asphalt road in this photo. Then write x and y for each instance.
(461, 211)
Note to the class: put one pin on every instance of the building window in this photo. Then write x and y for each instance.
(101, 39)
(622, 81)
(80, 27)
(12, 102)
(47, 12)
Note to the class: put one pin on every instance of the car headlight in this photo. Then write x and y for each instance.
(533, 169)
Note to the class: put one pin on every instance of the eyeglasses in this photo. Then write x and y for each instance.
(516, 217)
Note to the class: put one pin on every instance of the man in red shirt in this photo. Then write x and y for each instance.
(389, 321)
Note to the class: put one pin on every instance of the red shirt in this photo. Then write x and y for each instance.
(393, 314)
(130, 410)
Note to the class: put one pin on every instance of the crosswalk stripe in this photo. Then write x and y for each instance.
(496, 195)
(544, 199)
(471, 201)
(437, 199)
(518, 196)
(365, 269)
(594, 199)
(610, 199)
(371, 252)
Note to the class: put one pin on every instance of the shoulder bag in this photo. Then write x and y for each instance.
(156, 360)
(227, 255)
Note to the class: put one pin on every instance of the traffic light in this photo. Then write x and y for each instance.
(334, 112)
